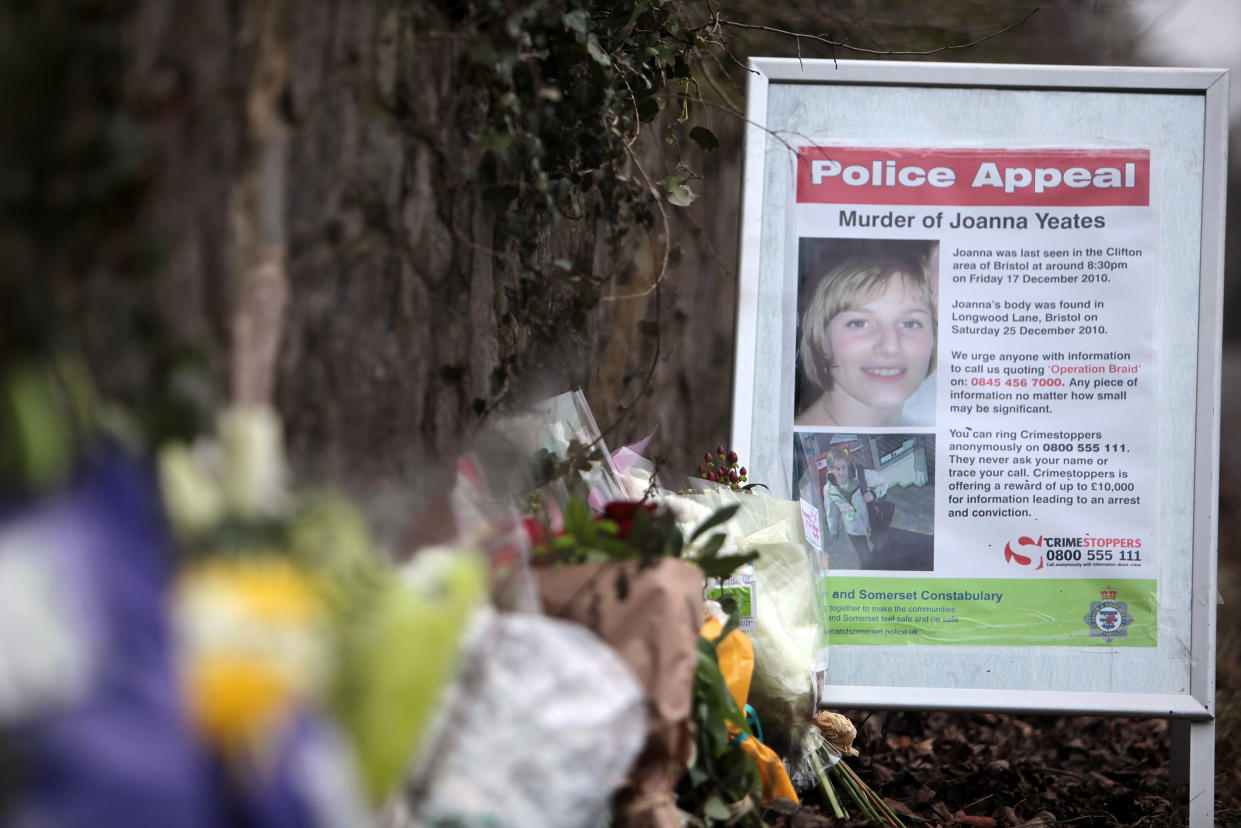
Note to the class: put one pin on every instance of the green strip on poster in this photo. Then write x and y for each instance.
(991, 612)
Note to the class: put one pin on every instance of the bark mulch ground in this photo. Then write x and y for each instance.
(1000, 771)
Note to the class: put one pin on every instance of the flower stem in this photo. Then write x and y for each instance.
(826, 784)
(850, 786)
(888, 814)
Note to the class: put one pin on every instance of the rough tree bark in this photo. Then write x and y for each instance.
(319, 238)
(305, 185)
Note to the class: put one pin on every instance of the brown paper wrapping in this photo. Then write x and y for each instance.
(650, 614)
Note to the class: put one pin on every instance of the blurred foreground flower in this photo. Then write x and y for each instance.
(240, 476)
(399, 657)
(254, 471)
(253, 643)
(193, 499)
(271, 577)
(98, 728)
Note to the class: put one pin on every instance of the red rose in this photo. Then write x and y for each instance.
(622, 512)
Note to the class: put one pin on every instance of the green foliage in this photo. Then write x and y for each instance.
(720, 774)
(560, 91)
(49, 416)
(643, 536)
(641, 532)
(721, 516)
(704, 138)
(41, 424)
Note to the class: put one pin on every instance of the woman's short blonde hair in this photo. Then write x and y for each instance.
(847, 286)
(839, 455)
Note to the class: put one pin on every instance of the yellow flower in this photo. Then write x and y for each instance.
(253, 641)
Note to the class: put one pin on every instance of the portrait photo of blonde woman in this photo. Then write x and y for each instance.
(867, 333)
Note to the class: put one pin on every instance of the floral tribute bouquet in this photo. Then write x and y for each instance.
(192, 640)
(289, 628)
(614, 554)
(609, 565)
(775, 605)
(187, 640)
(784, 621)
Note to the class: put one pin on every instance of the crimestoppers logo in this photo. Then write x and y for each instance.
(1028, 545)
(1108, 618)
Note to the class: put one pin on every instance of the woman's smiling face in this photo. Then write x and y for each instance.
(881, 349)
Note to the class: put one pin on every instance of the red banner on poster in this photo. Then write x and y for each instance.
(973, 177)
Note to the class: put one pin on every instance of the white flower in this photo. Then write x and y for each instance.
(192, 496)
(254, 465)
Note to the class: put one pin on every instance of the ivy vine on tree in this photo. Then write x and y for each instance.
(566, 88)
(581, 111)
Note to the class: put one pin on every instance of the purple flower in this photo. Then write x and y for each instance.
(119, 752)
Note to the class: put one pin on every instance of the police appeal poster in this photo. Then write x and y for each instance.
(974, 439)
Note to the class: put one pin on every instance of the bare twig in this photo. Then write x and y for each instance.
(774, 133)
(976, 801)
(836, 44)
(663, 220)
(723, 93)
(724, 47)
(637, 118)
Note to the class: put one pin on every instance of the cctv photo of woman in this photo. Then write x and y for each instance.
(868, 334)
(872, 495)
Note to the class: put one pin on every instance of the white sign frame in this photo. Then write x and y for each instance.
(755, 425)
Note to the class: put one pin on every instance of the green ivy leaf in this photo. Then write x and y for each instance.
(648, 108)
(492, 141)
(577, 20)
(682, 196)
(606, 527)
(671, 181)
(596, 51)
(704, 138)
